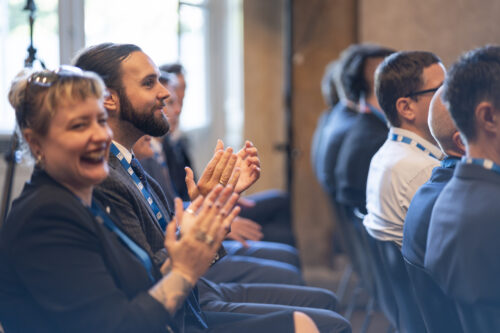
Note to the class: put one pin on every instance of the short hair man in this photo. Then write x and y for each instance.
(405, 83)
(438, 310)
(463, 240)
(135, 102)
(367, 133)
(354, 86)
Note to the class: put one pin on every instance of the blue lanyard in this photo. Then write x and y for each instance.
(449, 162)
(485, 163)
(136, 250)
(407, 140)
(154, 206)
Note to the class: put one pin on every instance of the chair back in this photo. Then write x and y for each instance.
(438, 311)
(409, 317)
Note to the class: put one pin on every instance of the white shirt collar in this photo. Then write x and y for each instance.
(418, 139)
(125, 152)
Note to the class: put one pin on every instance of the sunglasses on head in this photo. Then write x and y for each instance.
(46, 78)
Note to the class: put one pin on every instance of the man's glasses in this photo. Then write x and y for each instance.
(46, 78)
(422, 92)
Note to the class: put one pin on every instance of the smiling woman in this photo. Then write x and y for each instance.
(65, 262)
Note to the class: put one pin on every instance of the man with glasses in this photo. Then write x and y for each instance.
(404, 84)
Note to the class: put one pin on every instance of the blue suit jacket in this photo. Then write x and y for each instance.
(418, 216)
(339, 122)
(367, 134)
(62, 271)
(437, 309)
(463, 245)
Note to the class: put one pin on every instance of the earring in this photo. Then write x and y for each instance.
(39, 160)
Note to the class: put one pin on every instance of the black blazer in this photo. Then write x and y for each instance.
(62, 271)
(133, 211)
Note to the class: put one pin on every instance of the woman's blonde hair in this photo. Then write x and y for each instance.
(36, 101)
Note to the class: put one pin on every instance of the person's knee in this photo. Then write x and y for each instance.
(303, 323)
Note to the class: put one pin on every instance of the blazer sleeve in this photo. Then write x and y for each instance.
(123, 209)
(58, 257)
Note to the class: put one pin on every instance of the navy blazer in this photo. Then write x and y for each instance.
(62, 271)
(365, 137)
(463, 245)
(418, 216)
(437, 309)
(338, 124)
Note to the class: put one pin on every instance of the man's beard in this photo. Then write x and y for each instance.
(145, 121)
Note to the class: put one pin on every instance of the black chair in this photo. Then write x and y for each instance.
(438, 311)
(409, 317)
(376, 281)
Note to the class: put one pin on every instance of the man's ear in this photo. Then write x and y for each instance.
(487, 117)
(459, 143)
(405, 109)
(112, 102)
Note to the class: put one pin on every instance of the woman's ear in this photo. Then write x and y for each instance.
(33, 142)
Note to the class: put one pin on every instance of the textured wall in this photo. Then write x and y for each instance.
(263, 86)
(447, 28)
(322, 29)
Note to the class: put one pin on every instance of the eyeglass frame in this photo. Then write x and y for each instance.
(422, 92)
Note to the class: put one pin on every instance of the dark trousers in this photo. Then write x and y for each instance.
(269, 298)
(262, 262)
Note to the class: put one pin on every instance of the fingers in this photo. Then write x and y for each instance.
(208, 210)
(190, 184)
(234, 177)
(230, 218)
(195, 205)
(179, 211)
(210, 168)
(223, 164)
(228, 170)
(170, 236)
(219, 145)
(238, 238)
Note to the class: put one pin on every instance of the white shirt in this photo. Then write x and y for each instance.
(396, 172)
(125, 152)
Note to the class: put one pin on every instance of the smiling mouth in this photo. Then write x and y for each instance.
(94, 157)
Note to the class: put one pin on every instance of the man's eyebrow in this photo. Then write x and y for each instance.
(150, 76)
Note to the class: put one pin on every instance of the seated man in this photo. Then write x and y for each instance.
(251, 262)
(135, 106)
(405, 83)
(367, 133)
(463, 240)
(437, 309)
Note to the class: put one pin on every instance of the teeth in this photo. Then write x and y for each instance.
(94, 156)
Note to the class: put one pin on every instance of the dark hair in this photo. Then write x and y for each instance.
(397, 76)
(352, 74)
(167, 78)
(175, 68)
(474, 78)
(105, 59)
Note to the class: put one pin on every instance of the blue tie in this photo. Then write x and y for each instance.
(139, 171)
